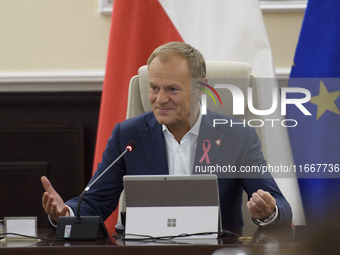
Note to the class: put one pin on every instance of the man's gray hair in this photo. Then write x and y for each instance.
(195, 58)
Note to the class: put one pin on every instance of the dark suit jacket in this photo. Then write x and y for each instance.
(239, 146)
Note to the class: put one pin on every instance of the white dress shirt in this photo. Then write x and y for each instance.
(179, 153)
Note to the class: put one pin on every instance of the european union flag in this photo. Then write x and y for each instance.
(315, 140)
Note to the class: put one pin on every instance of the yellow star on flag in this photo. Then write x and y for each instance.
(325, 101)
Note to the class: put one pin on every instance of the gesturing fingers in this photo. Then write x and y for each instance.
(254, 206)
(47, 185)
(44, 199)
(47, 201)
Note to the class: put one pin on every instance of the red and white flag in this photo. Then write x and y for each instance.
(137, 28)
(222, 30)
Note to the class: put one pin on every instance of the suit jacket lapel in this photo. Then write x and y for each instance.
(154, 146)
(213, 135)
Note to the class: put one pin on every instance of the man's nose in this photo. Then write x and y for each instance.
(162, 97)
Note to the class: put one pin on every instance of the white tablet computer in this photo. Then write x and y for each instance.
(169, 205)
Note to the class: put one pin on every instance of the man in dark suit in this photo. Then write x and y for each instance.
(165, 138)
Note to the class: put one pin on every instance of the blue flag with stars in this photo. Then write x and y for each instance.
(315, 140)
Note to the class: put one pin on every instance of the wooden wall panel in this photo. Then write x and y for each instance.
(21, 191)
(58, 129)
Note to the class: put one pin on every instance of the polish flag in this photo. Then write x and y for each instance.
(222, 30)
(137, 28)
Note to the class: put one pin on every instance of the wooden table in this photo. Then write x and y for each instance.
(257, 241)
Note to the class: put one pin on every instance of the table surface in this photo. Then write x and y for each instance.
(254, 241)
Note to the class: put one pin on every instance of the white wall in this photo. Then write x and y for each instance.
(67, 40)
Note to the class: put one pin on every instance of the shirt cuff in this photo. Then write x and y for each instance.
(276, 216)
(53, 223)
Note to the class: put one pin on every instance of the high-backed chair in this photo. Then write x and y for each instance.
(237, 73)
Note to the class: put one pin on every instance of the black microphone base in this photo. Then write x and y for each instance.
(90, 228)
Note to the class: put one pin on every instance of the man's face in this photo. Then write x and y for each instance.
(170, 92)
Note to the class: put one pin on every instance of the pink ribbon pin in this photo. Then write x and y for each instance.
(205, 150)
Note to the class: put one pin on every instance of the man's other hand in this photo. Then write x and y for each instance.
(261, 205)
(52, 203)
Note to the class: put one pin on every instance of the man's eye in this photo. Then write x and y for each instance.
(153, 88)
(173, 89)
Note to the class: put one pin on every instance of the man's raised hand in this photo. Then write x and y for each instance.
(52, 203)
